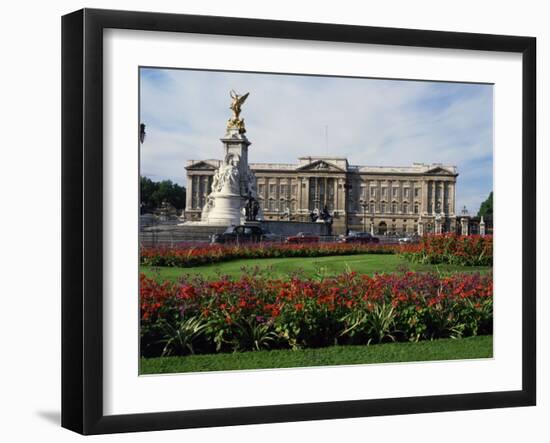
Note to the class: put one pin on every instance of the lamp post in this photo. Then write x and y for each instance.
(142, 132)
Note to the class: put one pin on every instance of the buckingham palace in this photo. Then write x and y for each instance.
(381, 199)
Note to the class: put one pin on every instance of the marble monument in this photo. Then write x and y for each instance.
(233, 198)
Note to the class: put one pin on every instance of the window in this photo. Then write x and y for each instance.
(272, 189)
(394, 192)
(382, 207)
(416, 192)
(384, 192)
(283, 189)
(272, 205)
(416, 208)
(373, 192)
(393, 208)
(261, 188)
(294, 190)
(406, 193)
(405, 208)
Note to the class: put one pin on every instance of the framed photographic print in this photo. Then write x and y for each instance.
(269, 221)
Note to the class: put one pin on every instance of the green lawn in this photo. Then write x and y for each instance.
(283, 267)
(446, 349)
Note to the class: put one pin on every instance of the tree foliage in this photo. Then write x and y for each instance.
(486, 208)
(152, 194)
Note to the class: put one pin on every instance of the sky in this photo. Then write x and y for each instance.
(374, 122)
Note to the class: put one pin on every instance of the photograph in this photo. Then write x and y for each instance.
(250, 221)
(292, 220)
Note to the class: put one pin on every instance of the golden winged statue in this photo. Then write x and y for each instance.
(236, 122)
(236, 103)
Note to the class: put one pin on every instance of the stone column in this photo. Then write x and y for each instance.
(198, 185)
(423, 197)
(337, 196)
(304, 204)
(402, 184)
(431, 197)
(325, 180)
(482, 227)
(441, 196)
(335, 193)
(452, 198)
(189, 193)
(341, 196)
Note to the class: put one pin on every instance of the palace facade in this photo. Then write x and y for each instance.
(380, 199)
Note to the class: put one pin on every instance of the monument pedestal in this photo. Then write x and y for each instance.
(226, 210)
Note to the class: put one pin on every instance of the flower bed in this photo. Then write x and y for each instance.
(255, 313)
(208, 254)
(472, 250)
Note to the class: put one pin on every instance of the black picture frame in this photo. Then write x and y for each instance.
(82, 218)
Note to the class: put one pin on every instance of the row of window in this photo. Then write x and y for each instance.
(378, 208)
(374, 191)
(405, 208)
(283, 189)
(281, 206)
(382, 208)
(391, 208)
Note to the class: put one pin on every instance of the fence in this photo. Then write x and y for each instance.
(173, 238)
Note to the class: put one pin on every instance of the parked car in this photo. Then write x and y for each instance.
(360, 237)
(269, 236)
(408, 239)
(303, 237)
(243, 234)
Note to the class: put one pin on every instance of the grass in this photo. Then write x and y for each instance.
(283, 267)
(445, 349)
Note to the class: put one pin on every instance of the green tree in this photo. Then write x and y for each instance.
(486, 208)
(152, 194)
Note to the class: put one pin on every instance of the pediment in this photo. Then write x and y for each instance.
(201, 166)
(439, 171)
(320, 165)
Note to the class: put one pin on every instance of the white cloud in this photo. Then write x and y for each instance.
(373, 122)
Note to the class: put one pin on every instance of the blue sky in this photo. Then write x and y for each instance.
(370, 121)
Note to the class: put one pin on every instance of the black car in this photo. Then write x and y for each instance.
(242, 234)
(360, 237)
